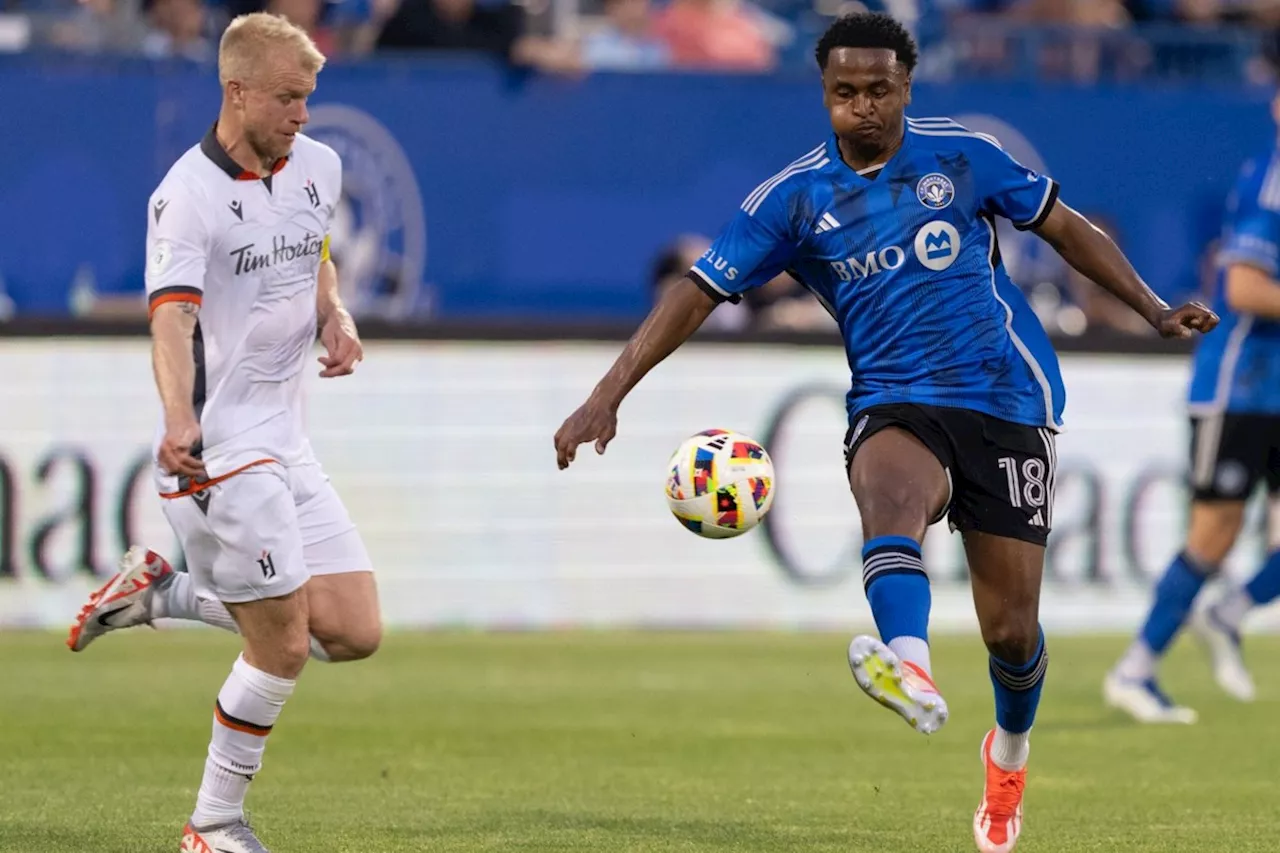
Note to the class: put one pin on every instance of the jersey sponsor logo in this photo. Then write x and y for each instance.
(935, 191)
(249, 259)
(158, 260)
(937, 245)
(379, 226)
(720, 264)
(875, 262)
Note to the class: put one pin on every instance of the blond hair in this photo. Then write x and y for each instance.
(252, 39)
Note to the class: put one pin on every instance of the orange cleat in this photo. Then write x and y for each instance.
(192, 842)
(998, 821)
(123, 601)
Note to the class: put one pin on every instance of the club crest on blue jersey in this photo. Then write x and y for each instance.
(935, 191)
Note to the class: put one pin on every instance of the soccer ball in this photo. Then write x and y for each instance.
(720, 483)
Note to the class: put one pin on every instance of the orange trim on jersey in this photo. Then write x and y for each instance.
(193, 296)
(204, 484)
(246, 175)
(234, 724)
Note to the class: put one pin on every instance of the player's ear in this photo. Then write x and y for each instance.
(906, 90)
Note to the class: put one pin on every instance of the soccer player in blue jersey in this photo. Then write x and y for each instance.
(1235, 445)
(956, 396)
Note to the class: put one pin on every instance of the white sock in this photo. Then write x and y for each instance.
(178, 600)
(913, 649)
(1233, 607)
(247, 708)
(1009, 751)
(1138, 663)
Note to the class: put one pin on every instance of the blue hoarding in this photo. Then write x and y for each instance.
(474, 192)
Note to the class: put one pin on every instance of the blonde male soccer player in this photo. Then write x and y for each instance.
(238, 280)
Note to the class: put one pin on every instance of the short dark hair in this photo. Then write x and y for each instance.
(868, 29)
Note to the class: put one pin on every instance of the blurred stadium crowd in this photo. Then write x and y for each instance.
(1080, 40)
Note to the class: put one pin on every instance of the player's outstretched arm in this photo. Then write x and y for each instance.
(682, 309)
(1253, 291)
(338, 333)
(1097, 257)
(173, 328)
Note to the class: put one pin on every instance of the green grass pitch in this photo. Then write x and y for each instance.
(617, 742)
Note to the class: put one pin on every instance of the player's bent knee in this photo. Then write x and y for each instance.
(1013, 637)
(1212, 531)
(352, 644)
(894, 509)
(283, 655)
(364, 643)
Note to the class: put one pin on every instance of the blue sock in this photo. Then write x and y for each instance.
(1018, 688)
(1264, 587)
(1174, 594)
(897, 587)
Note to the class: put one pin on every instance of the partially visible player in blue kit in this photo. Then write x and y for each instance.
(1235, 446)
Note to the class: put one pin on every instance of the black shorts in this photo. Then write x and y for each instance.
(1232, 453)
(1001, 473)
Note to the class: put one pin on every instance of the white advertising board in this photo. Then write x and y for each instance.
(443, 454)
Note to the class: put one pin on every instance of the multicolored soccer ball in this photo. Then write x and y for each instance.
(720, 483)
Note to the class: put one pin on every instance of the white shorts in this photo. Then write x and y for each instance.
(264, 532)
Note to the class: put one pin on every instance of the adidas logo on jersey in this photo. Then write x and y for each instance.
(827, 223)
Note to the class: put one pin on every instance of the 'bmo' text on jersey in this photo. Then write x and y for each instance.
(905, 258)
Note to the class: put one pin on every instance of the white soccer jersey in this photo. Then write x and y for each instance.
(248, 250)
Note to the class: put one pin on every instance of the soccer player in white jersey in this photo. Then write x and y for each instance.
(239, 279)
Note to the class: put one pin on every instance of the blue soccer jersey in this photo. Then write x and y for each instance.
(1237, 366)
(907, 262)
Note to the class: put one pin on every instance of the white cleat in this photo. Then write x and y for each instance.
(235, 837)
(1144, 701)
(896, 684)
(1223, 644)
(124, 601)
